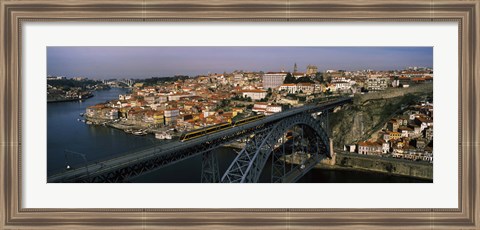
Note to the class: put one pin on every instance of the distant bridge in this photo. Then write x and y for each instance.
(300, 130)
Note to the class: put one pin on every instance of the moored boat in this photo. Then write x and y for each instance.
(139, 133)
(163, 136)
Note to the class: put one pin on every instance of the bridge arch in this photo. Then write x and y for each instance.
(250, 162)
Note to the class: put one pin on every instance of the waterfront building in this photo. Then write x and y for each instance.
(273, 80)
(112, 114)
(369, 148)
(385, 147)
(395, 135)
(158, 117)
(350, 148)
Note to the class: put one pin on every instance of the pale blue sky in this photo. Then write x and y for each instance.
(140, 62)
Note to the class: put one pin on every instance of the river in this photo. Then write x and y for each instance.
(72, 142)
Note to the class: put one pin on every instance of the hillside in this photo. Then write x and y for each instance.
(369, 113)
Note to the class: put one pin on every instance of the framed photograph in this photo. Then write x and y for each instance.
(234, 114)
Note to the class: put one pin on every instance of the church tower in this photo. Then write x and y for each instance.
(295, 68)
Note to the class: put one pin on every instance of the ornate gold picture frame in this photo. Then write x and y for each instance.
(13, 13)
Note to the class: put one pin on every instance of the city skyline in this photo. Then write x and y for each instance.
(142, 62)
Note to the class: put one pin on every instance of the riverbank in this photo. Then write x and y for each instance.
(389, 166)
(69, 99)
(400, 167)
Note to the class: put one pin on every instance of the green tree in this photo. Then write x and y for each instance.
(289, 79)
(319, 77)
(304, 80)
(329, 78)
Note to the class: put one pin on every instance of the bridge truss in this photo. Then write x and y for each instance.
(272, 144)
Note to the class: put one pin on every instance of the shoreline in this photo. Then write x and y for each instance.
(344, 168)
(70, 100)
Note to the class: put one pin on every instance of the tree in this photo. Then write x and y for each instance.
(225, 103)
(329, 78)
(304, 80)
(289, 79)
(319, 77)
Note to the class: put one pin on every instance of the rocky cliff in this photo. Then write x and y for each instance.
(369, 113)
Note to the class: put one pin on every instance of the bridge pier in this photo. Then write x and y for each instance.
(210, 173)
(333, 156)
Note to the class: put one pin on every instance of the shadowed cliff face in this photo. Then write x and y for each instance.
(363, 118)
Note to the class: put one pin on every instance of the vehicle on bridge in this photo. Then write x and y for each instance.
(217, 128)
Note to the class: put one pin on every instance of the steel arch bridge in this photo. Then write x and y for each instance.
(266, 141)
(250, 162)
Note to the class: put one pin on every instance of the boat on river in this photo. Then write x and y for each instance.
(139, 133)
(163, 136)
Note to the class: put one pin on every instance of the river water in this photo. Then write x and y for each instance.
(72, 142)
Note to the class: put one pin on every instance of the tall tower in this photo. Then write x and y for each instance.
(295, 68)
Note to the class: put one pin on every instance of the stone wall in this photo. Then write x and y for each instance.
(422, 170)
(395, 92)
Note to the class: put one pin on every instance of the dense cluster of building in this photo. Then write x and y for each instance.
(206, 100)
(409, 136)
(60, 88)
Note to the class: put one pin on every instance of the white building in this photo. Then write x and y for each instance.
(377, 83)
(171, 112)
(290, 88)
(260, 107)
(255, 94)
(273, 79)
(305, 87)
(271, 109)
